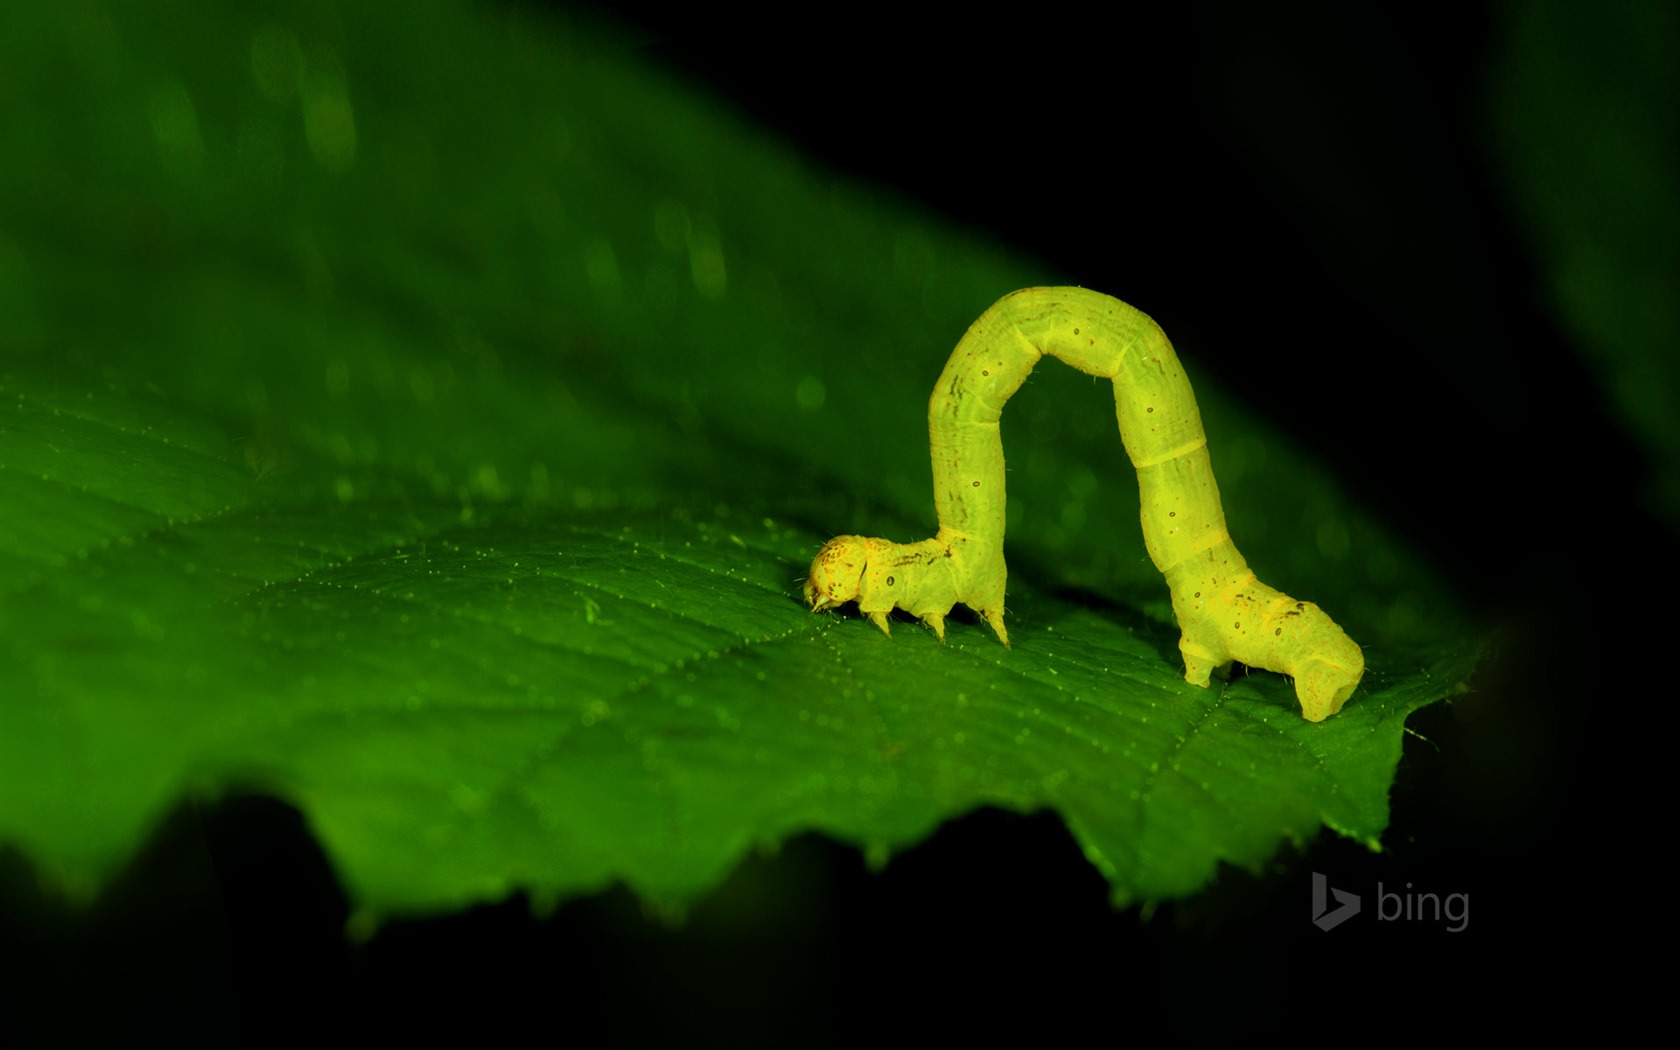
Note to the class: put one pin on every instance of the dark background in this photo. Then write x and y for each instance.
(1298, 193)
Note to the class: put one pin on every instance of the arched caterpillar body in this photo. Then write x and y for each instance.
(1224, 613)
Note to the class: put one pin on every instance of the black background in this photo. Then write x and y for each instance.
(1320, 176)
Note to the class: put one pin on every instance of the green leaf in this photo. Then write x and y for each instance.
(427, 415)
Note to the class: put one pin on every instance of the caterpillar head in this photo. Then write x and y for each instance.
(1328, 673)
(837, 573)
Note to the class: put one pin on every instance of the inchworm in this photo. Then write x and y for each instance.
(1224, 613)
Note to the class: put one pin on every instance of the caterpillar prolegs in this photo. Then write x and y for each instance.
(1224, 613)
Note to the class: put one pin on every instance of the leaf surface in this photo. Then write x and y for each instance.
(428, 418)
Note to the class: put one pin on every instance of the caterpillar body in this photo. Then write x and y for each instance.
(1224, 612)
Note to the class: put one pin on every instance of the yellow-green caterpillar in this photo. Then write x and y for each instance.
(1224, 612)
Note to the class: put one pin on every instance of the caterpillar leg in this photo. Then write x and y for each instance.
(995, 618)
(932, 620)
(1325, 679)
(1199, 663)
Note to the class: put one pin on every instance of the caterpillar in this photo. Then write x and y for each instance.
(1224, 612)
